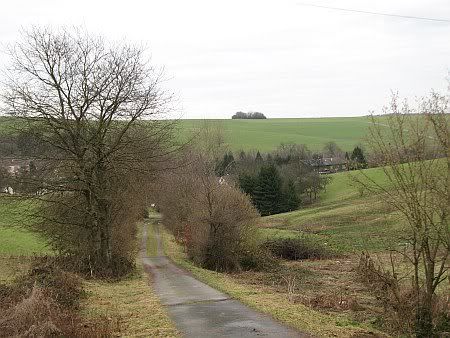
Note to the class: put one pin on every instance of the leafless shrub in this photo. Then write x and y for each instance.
(213, 219)
(412, 146)
(290, 284)
(297, 248)
(45, 303)
(399, 298)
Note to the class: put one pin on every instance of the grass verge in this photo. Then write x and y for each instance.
(131, 304)
(271, 299)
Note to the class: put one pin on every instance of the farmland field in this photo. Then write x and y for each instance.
(265, 135)
(14, 240)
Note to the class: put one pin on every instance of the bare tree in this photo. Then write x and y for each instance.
(95, 105)
(412, 147)
(214, 220)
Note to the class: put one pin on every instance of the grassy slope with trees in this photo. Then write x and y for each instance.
(333, 300)
(347, 218)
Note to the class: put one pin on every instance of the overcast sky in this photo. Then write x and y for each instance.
(274, 56)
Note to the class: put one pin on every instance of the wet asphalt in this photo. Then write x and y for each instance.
(198, 310)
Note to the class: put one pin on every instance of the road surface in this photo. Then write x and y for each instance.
(198, 310)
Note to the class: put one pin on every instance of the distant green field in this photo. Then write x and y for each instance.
(266, 135)
(347, 219)
(13, 239)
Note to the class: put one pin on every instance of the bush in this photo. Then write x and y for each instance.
(213, 220)
(45, 303)
(296, 248)
(63, 287)
(224, 240)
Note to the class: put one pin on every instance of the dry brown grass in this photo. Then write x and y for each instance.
(132, 304)
(39, 315)
(12, 267)
(126, 308)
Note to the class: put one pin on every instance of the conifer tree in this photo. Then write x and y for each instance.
(258, 158)
(248, 184)
(291, 200)
(358, 158)
(268, 196)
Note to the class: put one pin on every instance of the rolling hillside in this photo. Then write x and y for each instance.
(265, 135)
(346, 218)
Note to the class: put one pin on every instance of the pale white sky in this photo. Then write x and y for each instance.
(277, 57)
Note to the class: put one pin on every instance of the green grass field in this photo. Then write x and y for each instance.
(346, 218)
(266, 135)
(14, 239)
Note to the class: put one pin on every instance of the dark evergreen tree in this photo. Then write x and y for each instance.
(291, 200)
(258, 158)
(358, 158)
(225, 165)
(248, 184)
(268, 195)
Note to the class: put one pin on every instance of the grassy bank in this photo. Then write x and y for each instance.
(314, 305)
(347, 218)
(130, 305)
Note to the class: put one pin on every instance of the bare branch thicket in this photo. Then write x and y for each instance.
(412, 147)
(96, 108)
(209, 215)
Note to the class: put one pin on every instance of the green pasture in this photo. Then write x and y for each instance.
(14, 239)
(266, 135)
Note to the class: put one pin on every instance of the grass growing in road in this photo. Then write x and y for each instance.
(152, 244)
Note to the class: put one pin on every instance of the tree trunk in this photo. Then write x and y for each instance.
(424, 318)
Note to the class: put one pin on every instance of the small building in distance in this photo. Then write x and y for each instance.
(329, 165)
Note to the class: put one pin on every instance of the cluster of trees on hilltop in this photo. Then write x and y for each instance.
(249, 115)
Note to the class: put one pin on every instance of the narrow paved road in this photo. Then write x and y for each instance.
(201, 311)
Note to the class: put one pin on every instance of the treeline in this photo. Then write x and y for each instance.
(250, 115)
(279, 181)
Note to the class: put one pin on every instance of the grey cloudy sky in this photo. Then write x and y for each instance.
(278, 57)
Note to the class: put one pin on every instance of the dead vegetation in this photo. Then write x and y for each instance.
(399, 298)
(45, 302)
(297, 248)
